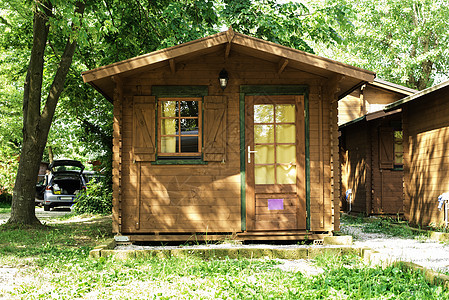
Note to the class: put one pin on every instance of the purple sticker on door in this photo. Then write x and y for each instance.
(275, 204)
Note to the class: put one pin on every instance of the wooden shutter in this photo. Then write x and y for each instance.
(386, 148)
(144, 119)
(215, 111)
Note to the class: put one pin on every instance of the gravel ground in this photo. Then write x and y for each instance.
(424, 252)
(43, 216)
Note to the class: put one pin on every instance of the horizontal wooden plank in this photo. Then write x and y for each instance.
(194, 194)
(263, 210)
(190, 226)
(290, 218)
(183, 210)
(275, 225)
(289, 199)
(154, 185)
(275, 189)
(181, 200)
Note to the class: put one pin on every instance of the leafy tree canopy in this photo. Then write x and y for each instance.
(113, 30)
(404, 41)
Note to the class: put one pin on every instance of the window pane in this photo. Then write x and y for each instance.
(398, 148)
(286, 154)
(285, 133)
(168, 126)
(189, 126)
(189, 108)
(263, 113)
(168, 144)
(264, 174)
(264, 154)
(285, 113)
(263, 134)
(168, 108)
(286, 174)
(189, 143)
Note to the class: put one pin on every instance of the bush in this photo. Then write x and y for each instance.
(5, 198)
(97, 199)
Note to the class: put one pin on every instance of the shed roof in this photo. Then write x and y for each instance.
(393, 87)
(102, 78)
(381, 113)
(417, 96)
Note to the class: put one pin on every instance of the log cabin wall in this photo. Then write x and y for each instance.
(376, 182)
(426, 160)
(356, 168)
(376, 98)
(351, 107)
(367, 99)
(152, 198)
(370, 170)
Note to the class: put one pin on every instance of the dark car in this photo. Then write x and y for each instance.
(63, 185)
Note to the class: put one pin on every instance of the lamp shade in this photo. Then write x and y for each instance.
(223, 79)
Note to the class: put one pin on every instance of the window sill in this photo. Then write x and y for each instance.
(162, 161)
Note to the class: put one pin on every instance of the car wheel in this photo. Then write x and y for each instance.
(46, 207)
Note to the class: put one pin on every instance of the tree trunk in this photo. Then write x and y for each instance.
(36, 125)
(22, 209)
(50, 154)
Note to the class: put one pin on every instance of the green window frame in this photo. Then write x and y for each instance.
(178, 93)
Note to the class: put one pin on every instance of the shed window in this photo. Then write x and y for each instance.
(179, 123)
(398, 149)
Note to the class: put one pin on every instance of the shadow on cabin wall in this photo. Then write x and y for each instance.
(428, 165)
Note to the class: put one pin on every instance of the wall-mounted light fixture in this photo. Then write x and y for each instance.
(223, 78)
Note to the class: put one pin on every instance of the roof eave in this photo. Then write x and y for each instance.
(416, 96)
(232, 37)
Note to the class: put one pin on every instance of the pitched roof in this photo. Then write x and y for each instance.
(417, 96)
(393, 87)
(102, 78)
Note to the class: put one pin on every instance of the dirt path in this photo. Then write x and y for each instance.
(42, 215)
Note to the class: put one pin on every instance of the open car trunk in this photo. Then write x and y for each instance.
(66, 185)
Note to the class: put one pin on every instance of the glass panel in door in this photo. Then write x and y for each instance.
(275, 144)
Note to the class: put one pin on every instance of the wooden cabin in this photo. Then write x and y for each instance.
(371, 145)
(370, 98)
(425, 123)
(226, 135)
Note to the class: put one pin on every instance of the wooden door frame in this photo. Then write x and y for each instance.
(272, 90)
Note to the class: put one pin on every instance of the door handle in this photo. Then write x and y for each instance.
(249, 153)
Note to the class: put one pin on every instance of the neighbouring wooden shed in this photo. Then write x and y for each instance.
(257, 159)
(425, 123)
(371, 145)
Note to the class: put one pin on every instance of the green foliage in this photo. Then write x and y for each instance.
(389, 227)
(290, 24)
(5, 199)
(8, 169)
(97, 199)
(404, 41)
(384, 225)
(5, 204)
(438, 228)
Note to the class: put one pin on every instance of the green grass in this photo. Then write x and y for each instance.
(53, 263)
(5, 208)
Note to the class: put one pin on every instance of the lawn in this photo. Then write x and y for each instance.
(52, 263)
(384, 225)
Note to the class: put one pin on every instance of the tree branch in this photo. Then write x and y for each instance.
(57, 85)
